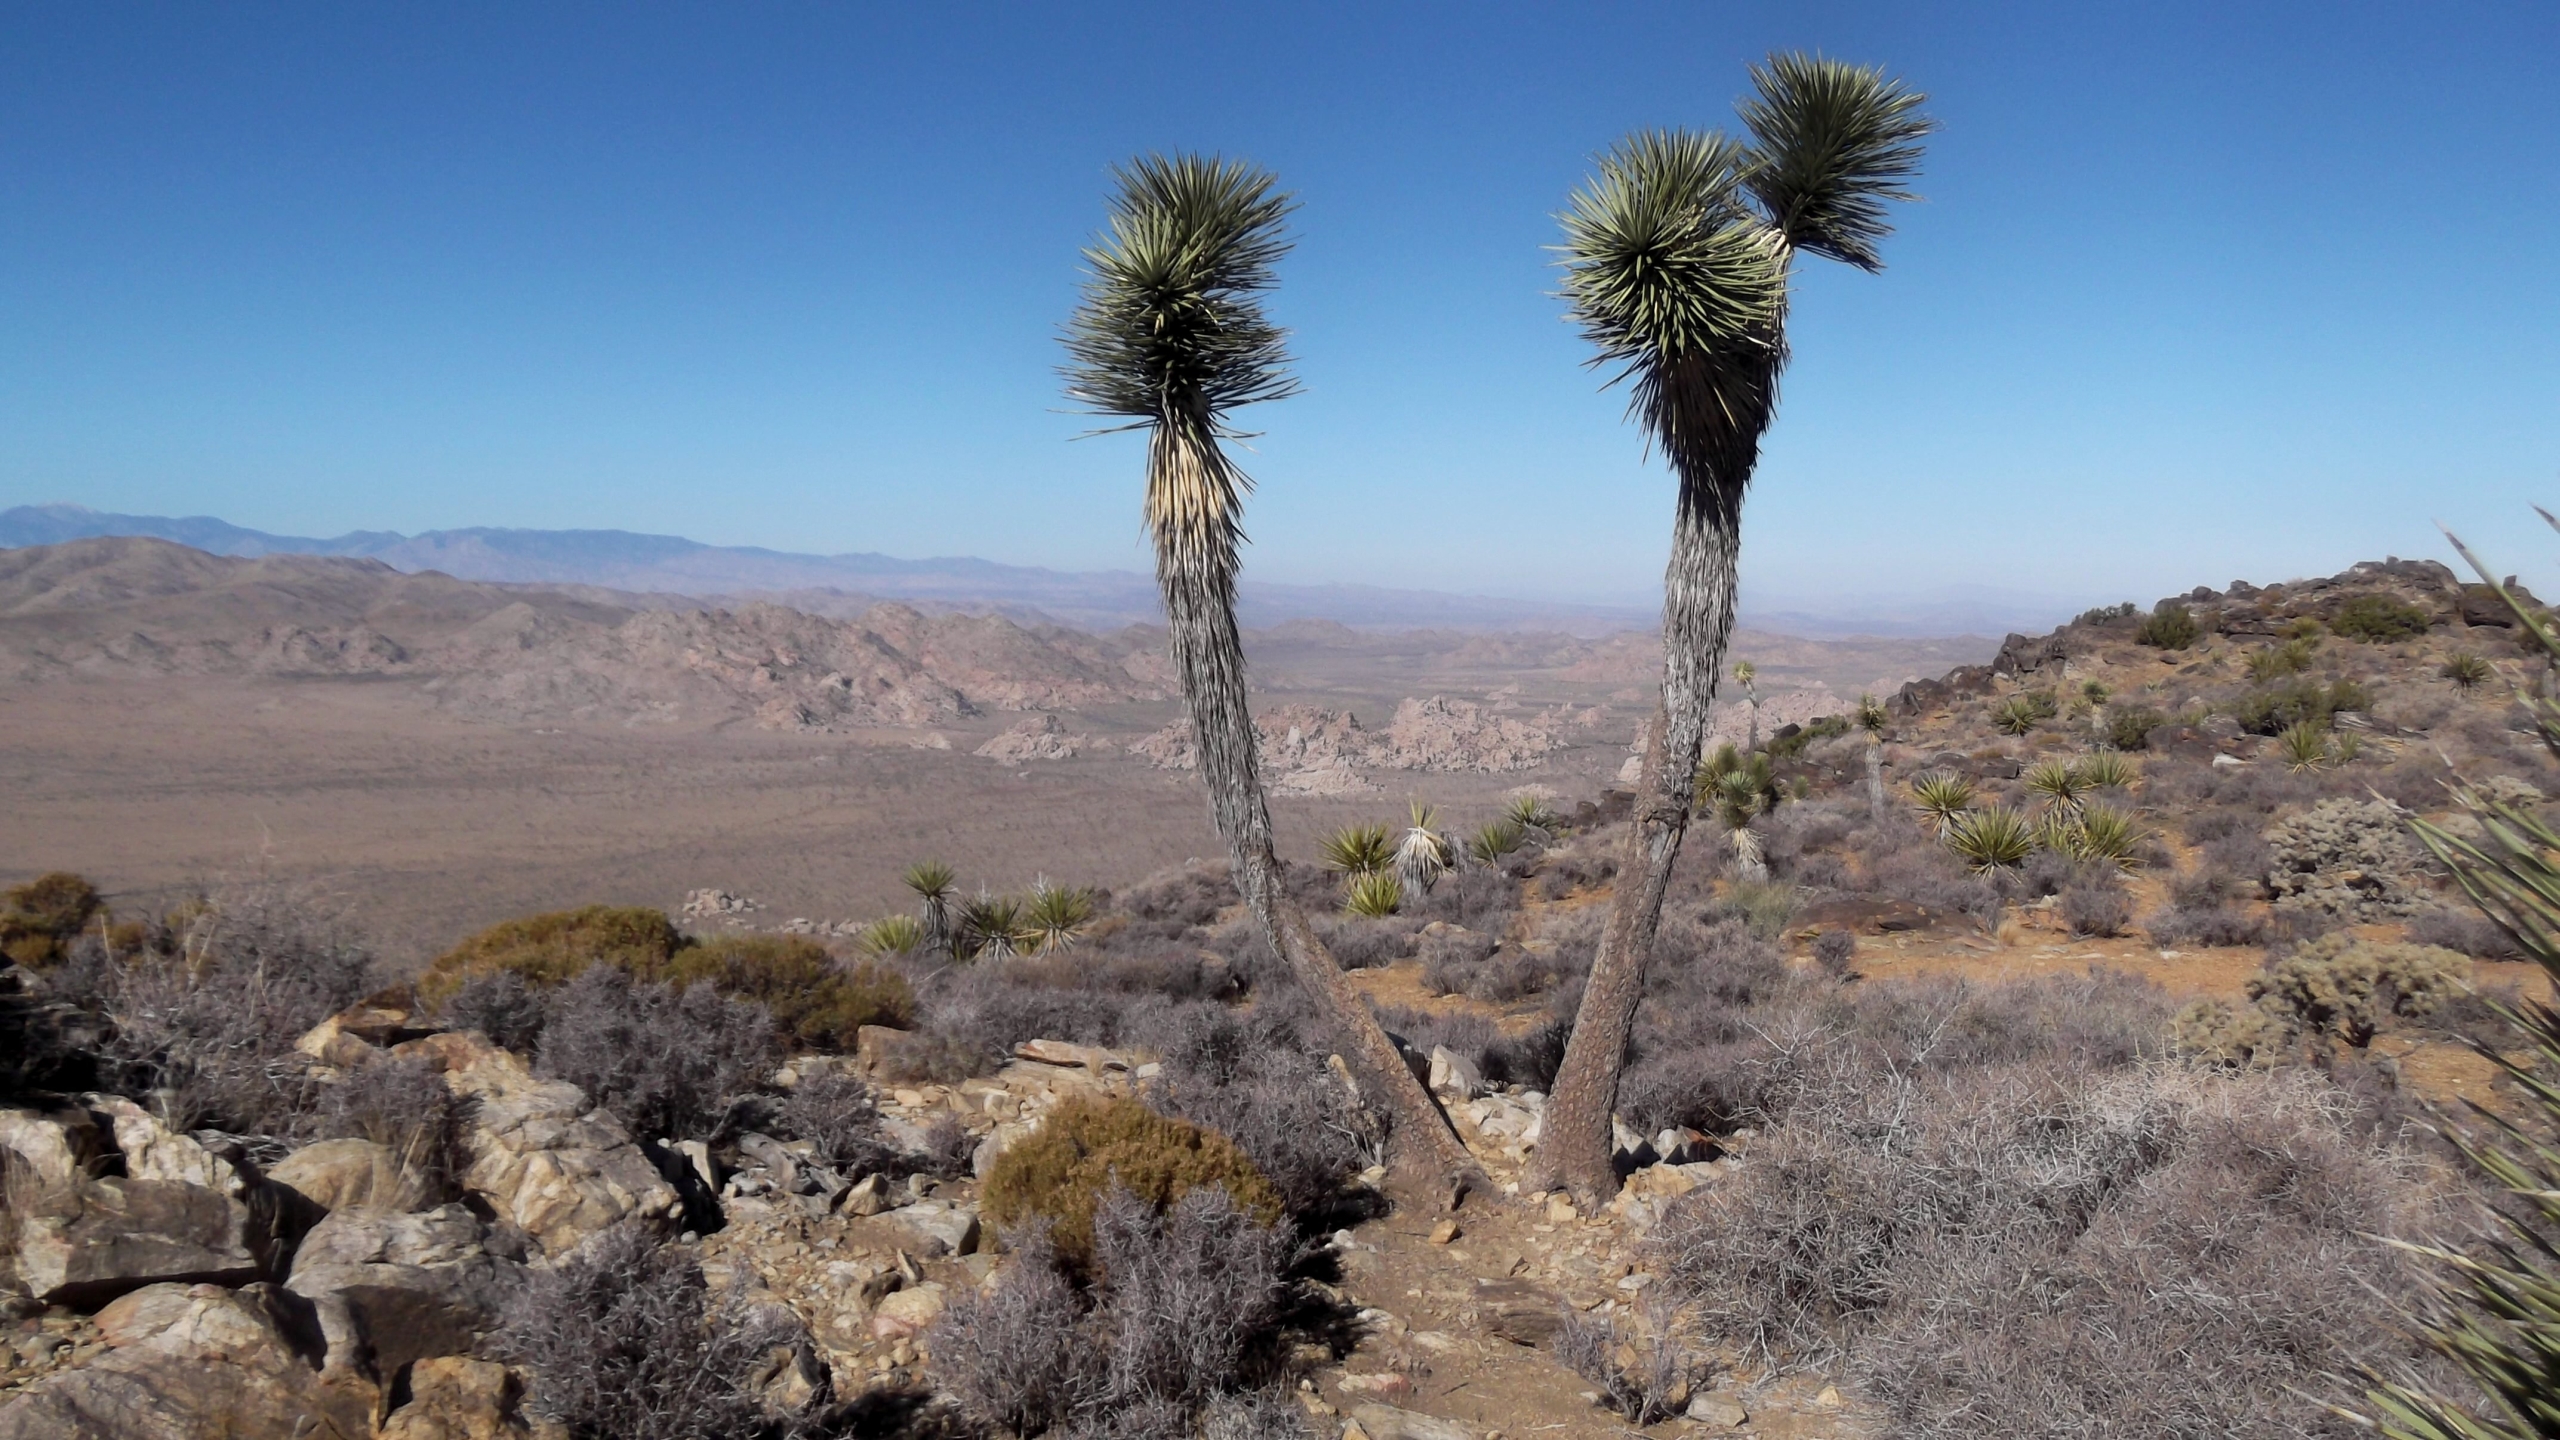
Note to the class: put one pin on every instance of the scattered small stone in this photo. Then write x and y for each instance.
(1444, 1232)
(1717, 1411)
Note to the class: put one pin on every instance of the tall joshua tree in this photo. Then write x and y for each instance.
(1171, 337)
(1872, 718)
(1677, 260)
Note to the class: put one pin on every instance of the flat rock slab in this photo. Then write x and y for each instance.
(115, 1235)
(946, 1227)
(1386, 1422)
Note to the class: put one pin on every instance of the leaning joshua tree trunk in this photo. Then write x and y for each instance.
(1171, 334)
(1871, 718)
(1677, 261)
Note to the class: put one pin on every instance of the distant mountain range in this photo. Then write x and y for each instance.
(842, 585)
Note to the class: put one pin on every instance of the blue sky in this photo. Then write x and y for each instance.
(2199, 291)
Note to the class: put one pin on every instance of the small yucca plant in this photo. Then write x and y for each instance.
(1375, 895)
(1532, 813)
(1423, 855)
(893, 935)
(1941, 796)
(933, 883)
(2058, 783)
(1992, 838)
(1057, 916)
(2016, 715)
(1356, 850)
(1496, 839)
(2102, 834)
(2303, 746)
(991, 927)
(2108, 770)
(2468, 671)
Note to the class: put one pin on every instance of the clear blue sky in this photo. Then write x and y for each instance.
(2199, 291)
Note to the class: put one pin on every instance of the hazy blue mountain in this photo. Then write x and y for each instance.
(841, 584)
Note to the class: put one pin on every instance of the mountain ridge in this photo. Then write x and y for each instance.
(1101, 600)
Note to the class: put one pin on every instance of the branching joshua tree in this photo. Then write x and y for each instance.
(1677, 260)
(1171, 337)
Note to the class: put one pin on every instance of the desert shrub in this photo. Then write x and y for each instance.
(2466, 932)
(39, 920)
(1532, 1057)
(1790, 741)
(626, 1342)
(1183, 1312)
(2274, 709)
(815, 1003)
(666, 1061)
(499, 1005)
(2377, 618)
(209, 1012)
(1373, 896)
(840, 1118)
(1765, 907)
(2196, 1248)
(1253, 1077)
(2169, 626)
(1479, 897)
(401, 1103)
(2347, 859)
(1359, 944)
(2091, 907)
(1184, 898)
(1565, 871)
(1061, 1173)
(949, 1151)
(2341, 985)
(2129, 727)
(2211, 923)
(1640, 1370)
(935, 1057)
(550, 949)
(2108, 614)
(1835, 950)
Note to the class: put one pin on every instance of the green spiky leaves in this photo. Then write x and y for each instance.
(1171, 335)
(1172, 314)
(1832, 143)
(1662, 260)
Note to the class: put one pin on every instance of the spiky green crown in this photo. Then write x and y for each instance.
(1831, 143)
(1171, 322)
(1662, 259)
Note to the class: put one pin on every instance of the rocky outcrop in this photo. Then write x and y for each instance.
(454, 1397)
(85, 1245)
(1038, 738)
(195, 1361)
(353, 1174)
(389, 1289)
(541, 1157)
(1313, 751)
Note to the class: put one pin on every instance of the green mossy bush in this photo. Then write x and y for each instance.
(553, 948)
(2129, 727)
(2274, 709)
(1787, 746)
(2377, 618)
(40, 919)
(2169, 627)
(2336, 985)
(1087, 1146)
(815, 1005)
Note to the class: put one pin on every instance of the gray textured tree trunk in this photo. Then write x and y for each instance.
(1574, 1148)
(1875, 776)
(1199, 603)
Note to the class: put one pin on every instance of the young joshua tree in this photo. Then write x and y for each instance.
(1872, 719)
(1171, 337)
(1677, 260)
(1746, 675)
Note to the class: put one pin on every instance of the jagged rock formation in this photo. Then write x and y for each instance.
(1309, 750)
